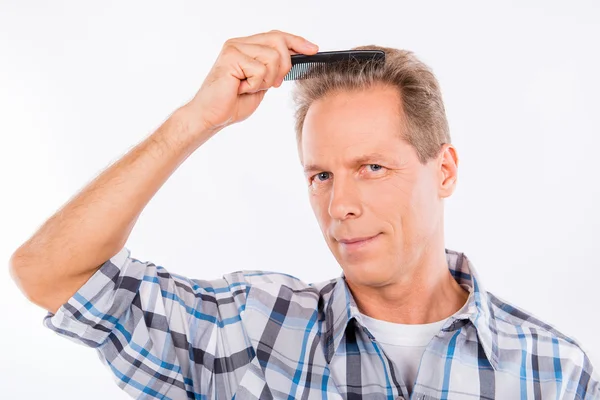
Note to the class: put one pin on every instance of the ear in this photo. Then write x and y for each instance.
(448, 168)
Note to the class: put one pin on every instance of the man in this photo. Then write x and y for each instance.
(406, 319)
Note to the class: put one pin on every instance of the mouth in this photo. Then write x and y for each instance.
(357, 243)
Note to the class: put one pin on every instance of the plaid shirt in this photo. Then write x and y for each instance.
(268, 335)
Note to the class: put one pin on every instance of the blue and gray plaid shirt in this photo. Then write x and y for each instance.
(268, 335)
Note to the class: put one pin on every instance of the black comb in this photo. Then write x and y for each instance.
(304, 66)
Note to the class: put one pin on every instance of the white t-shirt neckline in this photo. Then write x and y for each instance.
(404, 334)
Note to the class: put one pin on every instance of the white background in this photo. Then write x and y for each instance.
(83, 82)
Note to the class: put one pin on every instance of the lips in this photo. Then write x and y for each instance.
(356, 240)
(358, 244)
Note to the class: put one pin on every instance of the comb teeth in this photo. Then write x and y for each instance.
(305, 70)
(304, 66)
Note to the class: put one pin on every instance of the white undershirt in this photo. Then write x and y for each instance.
(404, 343)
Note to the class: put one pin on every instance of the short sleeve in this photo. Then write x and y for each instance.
(157, 332)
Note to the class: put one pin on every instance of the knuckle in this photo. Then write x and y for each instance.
(232, 42)
(228, 46)
(274, 55)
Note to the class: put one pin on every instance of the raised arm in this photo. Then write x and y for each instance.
(95, 224)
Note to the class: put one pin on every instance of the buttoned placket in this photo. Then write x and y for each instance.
(449, 328)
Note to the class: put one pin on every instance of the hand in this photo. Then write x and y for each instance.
(243, 72)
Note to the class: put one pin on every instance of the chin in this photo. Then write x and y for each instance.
(368, 274)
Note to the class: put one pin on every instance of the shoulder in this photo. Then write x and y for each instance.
(518, 328)
(265, 278)
(509, 316)
(265, 287)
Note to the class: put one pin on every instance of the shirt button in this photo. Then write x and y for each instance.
(400, 398)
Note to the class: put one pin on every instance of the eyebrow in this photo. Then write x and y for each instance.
(358, 160)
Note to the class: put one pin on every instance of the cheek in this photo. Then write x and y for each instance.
(392, 198)
(403, 206)
(319, 207)
(424, 210)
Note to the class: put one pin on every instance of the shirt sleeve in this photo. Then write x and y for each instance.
(157, 332)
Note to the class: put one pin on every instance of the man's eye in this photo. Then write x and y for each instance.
(375, 167)
(321, 176)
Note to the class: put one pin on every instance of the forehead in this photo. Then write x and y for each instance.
(352, 124)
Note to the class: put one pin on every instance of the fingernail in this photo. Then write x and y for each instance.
(311, 45)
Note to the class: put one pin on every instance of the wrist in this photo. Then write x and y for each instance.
(190, 127)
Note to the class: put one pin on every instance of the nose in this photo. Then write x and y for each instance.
(345, 200)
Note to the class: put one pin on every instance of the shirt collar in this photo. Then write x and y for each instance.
(341, 308)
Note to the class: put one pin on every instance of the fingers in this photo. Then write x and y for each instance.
(255, 74)
(293, 43)
(266, 55)
(287, 44)
(274, 50)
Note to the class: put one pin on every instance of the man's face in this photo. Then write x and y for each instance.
(367, 181)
